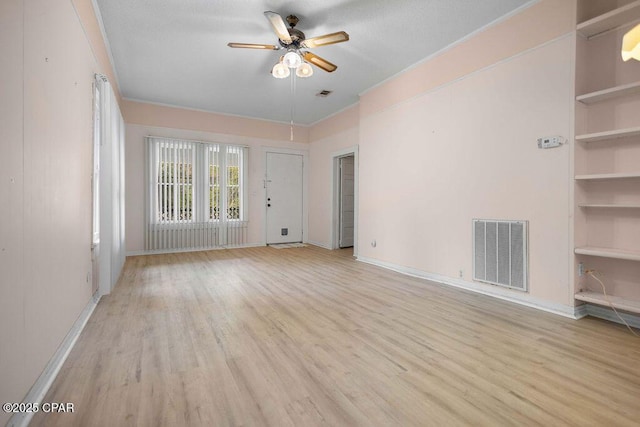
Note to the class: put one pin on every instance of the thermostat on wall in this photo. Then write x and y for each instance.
(550, 141)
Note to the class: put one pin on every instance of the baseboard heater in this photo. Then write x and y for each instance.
(500, 255)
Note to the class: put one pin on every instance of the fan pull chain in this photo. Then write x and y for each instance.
(293, 100)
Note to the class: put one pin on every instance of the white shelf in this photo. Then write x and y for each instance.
(607, 176)
(608, 253)
(609, 134)
(608, 206)
(620, 303)
(610, 20)
(609, 93)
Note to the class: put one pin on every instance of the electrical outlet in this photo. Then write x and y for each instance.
(373, 243)
(461, 274)
(581, 270)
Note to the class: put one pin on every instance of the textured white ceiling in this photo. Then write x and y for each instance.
(175, 51)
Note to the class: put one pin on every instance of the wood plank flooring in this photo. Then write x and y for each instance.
(307, 336)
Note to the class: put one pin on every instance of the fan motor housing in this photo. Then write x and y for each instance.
(297, 37)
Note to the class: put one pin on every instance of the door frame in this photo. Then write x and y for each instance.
(335, 196)
(305, 188)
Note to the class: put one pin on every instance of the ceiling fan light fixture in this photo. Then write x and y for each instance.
(631, 44)
(304, 70)
(294, 42)
(280, 71)
(292, 59)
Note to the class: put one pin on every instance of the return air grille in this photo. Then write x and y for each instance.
(500, 253)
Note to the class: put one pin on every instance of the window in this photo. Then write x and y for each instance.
(233, 188)
(229, 199)
(197, 186)
(175, 182)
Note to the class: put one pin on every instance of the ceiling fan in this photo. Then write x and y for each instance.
(294, 41)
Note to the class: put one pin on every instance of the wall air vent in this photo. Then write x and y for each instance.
(500, 253)
(324, 93)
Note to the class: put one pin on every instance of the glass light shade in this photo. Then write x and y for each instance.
(292, 59)
(280, 71)
(631, 44)
(304, 70)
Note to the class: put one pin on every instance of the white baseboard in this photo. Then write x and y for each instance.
(44, 381)
(493, 291)
(320, 245)
(608, 314)
(176, 251)
(581, 311)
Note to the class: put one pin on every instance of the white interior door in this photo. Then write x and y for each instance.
(284, 198)
(346, 201)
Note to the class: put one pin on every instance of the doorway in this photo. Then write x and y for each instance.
(284, 197)
(345, 199)
(346, 202)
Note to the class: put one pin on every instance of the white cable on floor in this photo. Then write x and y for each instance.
(606, 297)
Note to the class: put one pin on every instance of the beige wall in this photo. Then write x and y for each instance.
(87, 15)
(197, 120)
(327, 137)
(13, 347)
(454, 138)
(537, 24)
(134, 161)
(429, 165)
(45, 184)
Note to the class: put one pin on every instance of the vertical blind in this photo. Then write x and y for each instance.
(196, 194)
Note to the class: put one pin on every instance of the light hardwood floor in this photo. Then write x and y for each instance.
(307, 336)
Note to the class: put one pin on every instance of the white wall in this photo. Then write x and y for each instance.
(135, 190)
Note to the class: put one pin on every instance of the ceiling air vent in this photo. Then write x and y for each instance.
(324, 93)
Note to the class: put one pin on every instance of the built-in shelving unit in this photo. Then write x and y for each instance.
(610, 134)
(610, 20)
(596, 66)
(619, 303)
(609, 93)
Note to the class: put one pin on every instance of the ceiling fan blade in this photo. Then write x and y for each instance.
(332, 38)
(279, 27)
(253, 46)
(319, 62)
